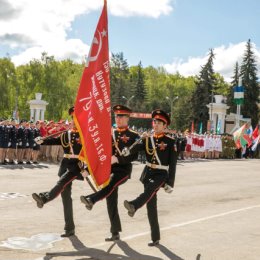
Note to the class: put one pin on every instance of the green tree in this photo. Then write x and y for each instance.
(30, 81)
(119, 78)
(7, 87)
(230, 95)
(203, 93)
(138, 93)
(221, 87)
(181, 108)
(248, 72)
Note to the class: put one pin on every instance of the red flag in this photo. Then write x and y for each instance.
(92, 107)
(255, 133)
(192, 127)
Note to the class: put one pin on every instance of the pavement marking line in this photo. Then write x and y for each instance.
(210, 217)
(185, 223)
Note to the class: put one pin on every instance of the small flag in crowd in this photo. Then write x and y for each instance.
(241, 137)
(218, 126)
(255, 132)
(200, 129)
(255, 143)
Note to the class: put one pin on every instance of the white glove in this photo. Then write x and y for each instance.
(168, 188)
(125, 152)
(9, 144)
(84, 173)
(38, 140)
(114, 159)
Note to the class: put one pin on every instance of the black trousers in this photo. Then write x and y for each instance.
(152, 181)
(119, 175)
(68, 172)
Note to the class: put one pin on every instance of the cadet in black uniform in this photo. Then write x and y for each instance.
(13, 142)
(121, 170)
(69, 171)
(22, 140)
(161, 160)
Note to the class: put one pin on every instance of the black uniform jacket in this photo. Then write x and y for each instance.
(166, 150)
(123, 138)
(70, 142)
(13, 136)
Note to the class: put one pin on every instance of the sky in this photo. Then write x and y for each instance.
(175, 34)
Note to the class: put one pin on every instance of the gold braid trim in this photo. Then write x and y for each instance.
(63, 141)
(149, 151)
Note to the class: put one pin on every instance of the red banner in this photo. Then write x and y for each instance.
(92, 114)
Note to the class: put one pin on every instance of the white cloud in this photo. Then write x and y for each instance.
(150, 8)
(42, 25)
(73, 49)
(224, 62)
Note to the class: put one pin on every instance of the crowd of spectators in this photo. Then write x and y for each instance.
(17, 145)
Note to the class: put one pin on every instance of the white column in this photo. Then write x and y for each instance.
(37, 115)
(42, 115)
(32, 114)
(223, 118)
(214, 122)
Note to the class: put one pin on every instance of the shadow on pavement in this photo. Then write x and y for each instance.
(168, 253)
(24, 166)
(98, 254)
(132, 254)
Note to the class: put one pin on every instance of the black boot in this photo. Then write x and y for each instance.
(154, 243)
(68, 233)
(130, 207)
(113, 237)
(87, 201)
(39, 199)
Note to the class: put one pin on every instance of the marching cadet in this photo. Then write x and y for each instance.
(69, 171)
(121, 170)
(161, 160)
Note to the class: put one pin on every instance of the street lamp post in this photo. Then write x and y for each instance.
(128, 99)
(171, 101)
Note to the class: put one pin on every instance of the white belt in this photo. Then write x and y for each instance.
(156, 166)
(71, 156)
